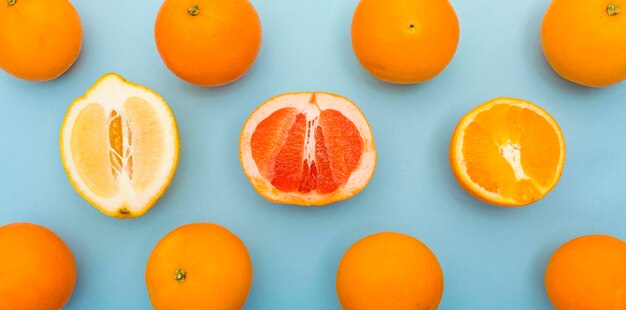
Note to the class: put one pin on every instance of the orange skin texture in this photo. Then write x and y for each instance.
(405, 41)
(588, 272)
(40, 39)
(217, 266)
(389, 271)
(213, 48)
(584, 43)
(37, 272)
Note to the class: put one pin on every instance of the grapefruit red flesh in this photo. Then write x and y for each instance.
(319, 154)
(308, 149)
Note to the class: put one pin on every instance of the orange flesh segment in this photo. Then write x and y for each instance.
(512, 151)
(288, 164)
(103, 146)
(270, 137)
(147, 139)
(344, 142)
(335, 147)
(91, 152)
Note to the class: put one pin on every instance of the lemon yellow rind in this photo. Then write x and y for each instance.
(147, 206)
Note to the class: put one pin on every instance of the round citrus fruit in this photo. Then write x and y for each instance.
(404, 41)
(119, 146)
(199, 266)
(389, 271)
(39, 39)
(585, 40)
(307, 149)
(208, 42)
(507, 152)
(37, 269)
(588, 272)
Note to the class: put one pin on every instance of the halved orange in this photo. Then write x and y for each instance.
(119, 146)
(508, 152)
(307, 149)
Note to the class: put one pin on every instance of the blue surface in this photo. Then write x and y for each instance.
(492, 258)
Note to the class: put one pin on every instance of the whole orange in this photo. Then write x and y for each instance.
(588, 273)
(585, 40)
(199, 266)
(37, 269)
(39, 39)
(404, 41)
(208, 42)
(390, 271)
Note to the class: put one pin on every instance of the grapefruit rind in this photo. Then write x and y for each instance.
(457, 162)
(358, 179)
(112, 90)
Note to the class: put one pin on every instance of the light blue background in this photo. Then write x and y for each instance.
(492, 258)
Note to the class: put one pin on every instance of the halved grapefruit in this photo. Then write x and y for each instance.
(119, 146)
(308, 149)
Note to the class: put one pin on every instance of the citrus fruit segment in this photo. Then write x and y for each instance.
(39, 39)
(507, 152)
(389, 271)
(199, 266)
(307, 149)
(588, 272)
(37, 269)
(119, 146)
(585, 40)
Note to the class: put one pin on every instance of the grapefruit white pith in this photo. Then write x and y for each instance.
(119, 146)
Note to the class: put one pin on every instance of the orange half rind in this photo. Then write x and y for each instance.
(513, 155)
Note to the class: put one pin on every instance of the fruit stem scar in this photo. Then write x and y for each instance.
(180, 275)
(11, 2)
(613, 9)
(194, 10)
(412, 27)
(124, 211)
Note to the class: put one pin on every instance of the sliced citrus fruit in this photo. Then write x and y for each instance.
(119, 146)
(508, 152)
(307, 149)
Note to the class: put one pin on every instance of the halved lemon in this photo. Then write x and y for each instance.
(307, 149)
(119, 146)
(508, 152)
